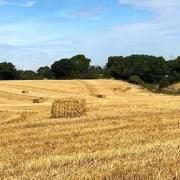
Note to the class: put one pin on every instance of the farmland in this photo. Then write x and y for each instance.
(130, 133)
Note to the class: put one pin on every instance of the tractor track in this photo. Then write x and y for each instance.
(92, 90)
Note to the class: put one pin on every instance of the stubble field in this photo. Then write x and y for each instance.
(129, 134)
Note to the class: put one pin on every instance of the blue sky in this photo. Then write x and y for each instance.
(35, 33)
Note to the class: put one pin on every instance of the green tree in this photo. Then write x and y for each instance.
(114, 67)
(45, 72)
(75, 67)
(80, 63)
(62, 69)
(93, 72)
(149, 68)
(8, 71)
(28, 75)
(136, 80)
(174, 65)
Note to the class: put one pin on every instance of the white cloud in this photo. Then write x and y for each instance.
(77, 14)
(160, 7)
(3, 2)
(166, 13)
(29, 4)
(90, 14)
(152, 4)
(158, 35)
(29, 47)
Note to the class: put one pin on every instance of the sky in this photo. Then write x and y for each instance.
(36, 33)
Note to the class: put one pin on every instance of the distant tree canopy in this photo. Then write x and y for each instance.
(174, 65)
(45, 72)
(149, 68)
(62, 69)
(8, 71)
(28, 75)
(80, 64)
(138, 69)
(76, 67)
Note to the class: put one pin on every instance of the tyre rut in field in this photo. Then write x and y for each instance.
(31, 87)
(92, 90)
(15, 96)
(117, 88)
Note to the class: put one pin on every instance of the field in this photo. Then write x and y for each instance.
(130, 134)
(174, 88)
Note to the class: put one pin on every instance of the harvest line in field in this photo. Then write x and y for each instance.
(92, 90)
(15, 96)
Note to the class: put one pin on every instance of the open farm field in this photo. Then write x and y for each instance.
(130, 133)
(174, 88)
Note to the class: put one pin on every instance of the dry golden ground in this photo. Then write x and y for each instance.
(175, 87)
(130, 134)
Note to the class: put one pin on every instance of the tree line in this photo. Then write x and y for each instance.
(76, 67)
(143, 69)
(138, 69)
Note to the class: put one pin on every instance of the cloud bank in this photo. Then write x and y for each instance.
(27, 4)
(35, 42)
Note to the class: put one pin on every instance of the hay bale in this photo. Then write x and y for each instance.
(68, 107)
(44, 99)
(100, 96)
(25, 91)
(38, 100)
